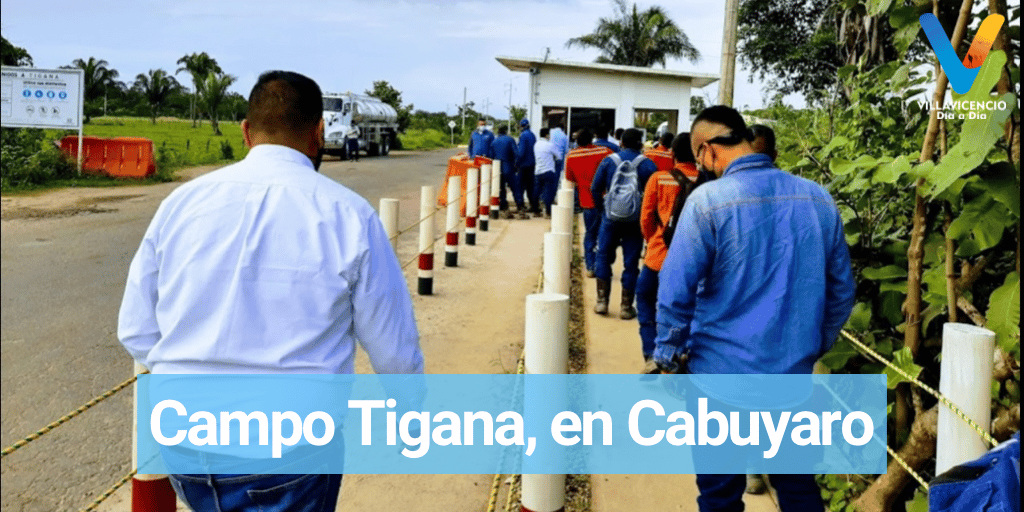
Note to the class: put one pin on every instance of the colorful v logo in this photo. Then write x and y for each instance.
(961, 76)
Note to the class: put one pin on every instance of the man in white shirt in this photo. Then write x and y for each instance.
(545, 178)
(266, 266)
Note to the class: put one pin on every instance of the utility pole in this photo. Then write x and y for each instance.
(511, 121)
(463, 109)
(728, 78)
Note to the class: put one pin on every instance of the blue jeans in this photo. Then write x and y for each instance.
(526, 183)
(646, 308)
(592, 224)
(612, 236)
(509, 180)
(258, 493)
(724, 493)
(546, 185)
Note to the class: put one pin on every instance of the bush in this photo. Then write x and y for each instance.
(425, 139)
(28, 159)
(226, 151)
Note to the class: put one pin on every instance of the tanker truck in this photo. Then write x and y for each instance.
(376, 122)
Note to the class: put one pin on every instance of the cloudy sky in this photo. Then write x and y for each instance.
(429, 50)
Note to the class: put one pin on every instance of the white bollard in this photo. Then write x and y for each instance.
(472, 198)
(565, 197)
(485, 197)
(965, 377)
(389, 218)
(556, 265)
(451, 237)
(425, 284)
(149, 492)
(495, 188)
(561, 219)
(546, 352)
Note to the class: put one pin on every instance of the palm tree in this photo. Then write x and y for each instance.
(635, 38)
(215, 89)
(156, 86)
(98, 77)
(199, 65)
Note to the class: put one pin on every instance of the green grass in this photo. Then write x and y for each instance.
(176, 143)
(415, 139)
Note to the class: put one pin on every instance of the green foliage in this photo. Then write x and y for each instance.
(13, 55)
(227, 151)
(637, 38)
(837, 490)
(419, 139)
(28, 159)
(383, 91)
(1003, 314)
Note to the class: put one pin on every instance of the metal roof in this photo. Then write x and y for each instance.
(524, 64)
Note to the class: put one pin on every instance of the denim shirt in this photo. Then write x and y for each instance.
(758, 277)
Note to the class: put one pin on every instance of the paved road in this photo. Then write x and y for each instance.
(62, 277)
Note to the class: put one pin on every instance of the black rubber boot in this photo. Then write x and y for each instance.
(604, 289)
(626, 309)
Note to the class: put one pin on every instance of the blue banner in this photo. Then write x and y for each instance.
(512, 424)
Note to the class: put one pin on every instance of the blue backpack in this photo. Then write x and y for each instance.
(624, 197)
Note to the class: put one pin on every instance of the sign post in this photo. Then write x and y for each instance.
(43, 98)
(451, 128)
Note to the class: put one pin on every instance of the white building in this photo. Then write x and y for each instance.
(586, 94)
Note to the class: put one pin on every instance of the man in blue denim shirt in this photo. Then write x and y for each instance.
(756, 281)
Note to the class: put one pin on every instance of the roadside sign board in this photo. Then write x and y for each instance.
(41, 98)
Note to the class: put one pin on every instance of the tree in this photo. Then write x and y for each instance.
(383, 91)
(635, 38)
(13, 55)
(215, 89)
(800, 46)
(156, 87)
(98, 77)
(199, 65)
(517, 113)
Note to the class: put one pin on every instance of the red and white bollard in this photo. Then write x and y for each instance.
(495, 188)
(451, 237)
(425, 283)
(150, 493)
(485, 196)
(472, 199)
(388, 212)
(546, 352)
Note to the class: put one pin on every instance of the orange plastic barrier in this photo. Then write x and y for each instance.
(457, 166)
(121, 157)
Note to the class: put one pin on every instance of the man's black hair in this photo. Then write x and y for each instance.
(618, 133)
(601, 132)
(284, 101)
(544, 132)
(731, 119)
(503, 130)
(666, 139)
(681, 148)
(585, 137)
(766, 133)
(482, 120)
(633, 139)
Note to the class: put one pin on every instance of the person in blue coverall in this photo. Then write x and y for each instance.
(601, 138)
(480, 140)
(615, 234)
(504, 149)
(757, 281)
(526, 163)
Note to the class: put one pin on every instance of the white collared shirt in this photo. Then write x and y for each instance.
(545, 152)
(266, 266)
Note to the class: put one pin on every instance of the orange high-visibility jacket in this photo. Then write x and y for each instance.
(661, 156)
(580, 166)
(659, 197)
